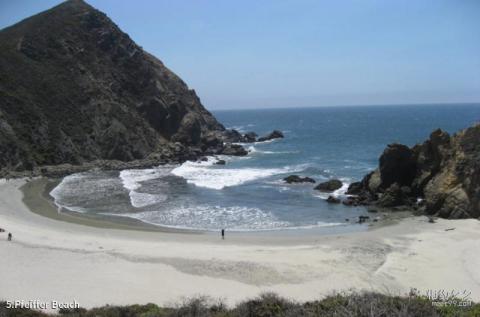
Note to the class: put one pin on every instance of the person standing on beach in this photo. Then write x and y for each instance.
(9, 236)
(223, 234)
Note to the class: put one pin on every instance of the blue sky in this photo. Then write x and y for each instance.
(288, 53)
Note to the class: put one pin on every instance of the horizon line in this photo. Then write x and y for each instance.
(428, 104)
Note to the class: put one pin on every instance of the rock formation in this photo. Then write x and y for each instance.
(298, 179)
(329, 186)
(438, 177)
(250, 137)
(233, 149)
(74, 89)
(275, 134)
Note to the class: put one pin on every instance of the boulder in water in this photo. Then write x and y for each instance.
(298, 179)
(275, 134)
(234, 150)
(329, 186)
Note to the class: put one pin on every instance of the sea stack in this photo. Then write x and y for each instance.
(440, 176)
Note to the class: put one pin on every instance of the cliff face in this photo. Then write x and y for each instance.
(444, 172)
(75, 88)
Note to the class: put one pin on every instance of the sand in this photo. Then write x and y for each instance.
(51, 259)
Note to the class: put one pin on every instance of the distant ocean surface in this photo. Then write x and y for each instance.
(248, 194)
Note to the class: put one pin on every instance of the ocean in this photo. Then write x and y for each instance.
(248, 194)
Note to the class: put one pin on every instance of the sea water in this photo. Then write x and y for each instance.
(248, 193)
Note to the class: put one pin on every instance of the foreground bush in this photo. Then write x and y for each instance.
(271, 305)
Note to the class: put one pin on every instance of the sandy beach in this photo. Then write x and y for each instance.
(51, 259)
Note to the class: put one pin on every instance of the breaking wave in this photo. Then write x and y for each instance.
(204, 174)
(336, 193)
(132, 179)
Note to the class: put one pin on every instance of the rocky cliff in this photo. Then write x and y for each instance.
(438, 177)
(74, 88)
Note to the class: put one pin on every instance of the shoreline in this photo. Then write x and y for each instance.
(36, 195)
(50, 259)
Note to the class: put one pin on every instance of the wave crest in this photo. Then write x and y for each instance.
(132, 179)
(204, 174)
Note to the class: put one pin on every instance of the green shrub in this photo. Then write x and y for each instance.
(365, 304)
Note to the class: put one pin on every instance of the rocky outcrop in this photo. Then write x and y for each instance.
(396, 165)
(234, 150)
(275, 134)
(74, 89)
(230, 136)
(298, 179)
(443, 173)
(250, 137)
(329, 186)
(171, 153)
(233, 136)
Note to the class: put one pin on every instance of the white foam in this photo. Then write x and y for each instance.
(336, 193)
(132, 179)
(342, 190)
(139, 200)
(266, 141)
(76, 186)
(64, 188)
(72, 208)
(253, 150)
(212, 218)
(203, 174)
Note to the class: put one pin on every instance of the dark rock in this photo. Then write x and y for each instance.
(275, 134)
(212, 141)
(231, 136)
(250, 137)
(333, 200)
(329, 186)
(203, 159)
(429, 156)
(360, 200)
(392, 197)
(234, 150)
(297, 179)
(397, 165)
(220, 162)
(355, 188)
